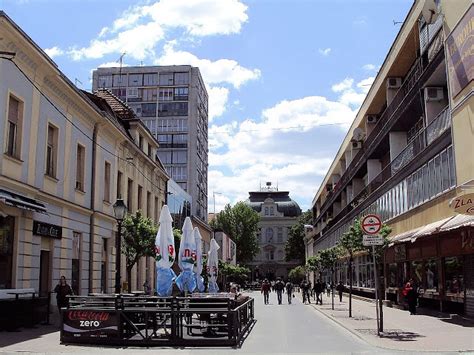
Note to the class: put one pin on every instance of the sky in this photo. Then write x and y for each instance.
(285, 78)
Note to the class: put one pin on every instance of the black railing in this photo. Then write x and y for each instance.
(156, 321)
(417, 145)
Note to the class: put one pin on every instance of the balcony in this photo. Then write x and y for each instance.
(418, 74)
(414, 148)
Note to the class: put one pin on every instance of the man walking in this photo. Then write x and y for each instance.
(340, 289)
(279, 287)
(265, 290)
(318, 290)
(289, 291)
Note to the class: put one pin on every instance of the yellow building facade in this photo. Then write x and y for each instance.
(66, 157)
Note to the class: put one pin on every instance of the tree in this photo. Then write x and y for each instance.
(351, 242)
(328, 258)
(297, 274)
(294, 247)
(240, 223)
(314, 264)
(234, 273)
(138, 233)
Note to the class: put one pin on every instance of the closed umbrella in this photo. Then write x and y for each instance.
(186, 281)
(198, 264)
(213, 266)
(165, 254)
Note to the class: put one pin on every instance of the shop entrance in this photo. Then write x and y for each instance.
(7, 230)
(469, 285)
(45, 273)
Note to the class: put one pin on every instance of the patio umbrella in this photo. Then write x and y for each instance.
(186, 281)
(198, 264)
(213, 266)
(165, 254)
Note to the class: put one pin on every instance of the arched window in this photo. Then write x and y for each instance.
(269, 235)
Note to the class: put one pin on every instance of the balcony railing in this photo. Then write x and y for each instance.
(418, 144)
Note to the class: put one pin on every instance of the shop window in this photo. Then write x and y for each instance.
(416, 271)
(431, 270)
(454, 274)
(7, 234)
(392, 275)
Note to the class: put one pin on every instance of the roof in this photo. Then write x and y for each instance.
(284, 203)
(121, 109)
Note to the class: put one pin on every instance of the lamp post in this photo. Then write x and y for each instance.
(120, 209)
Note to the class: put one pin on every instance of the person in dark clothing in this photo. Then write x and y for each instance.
(266, 289)
(279, 288)
(411, 294)
(62, 290)
(318, 291)
(305, 291)
(340, 290)
(289, 291)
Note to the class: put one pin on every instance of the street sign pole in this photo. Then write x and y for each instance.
(376, 291)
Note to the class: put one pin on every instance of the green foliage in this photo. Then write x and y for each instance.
(328, 257)
(294, 247)
(233, 272)
(138, 240)
(297, 274)
(314, 263)
(240, 223)
(177, 234)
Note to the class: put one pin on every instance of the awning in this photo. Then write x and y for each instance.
(458, 221)
(430, 229)
(20, 201)
(403, 237)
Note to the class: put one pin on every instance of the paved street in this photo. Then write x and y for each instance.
(285, 329)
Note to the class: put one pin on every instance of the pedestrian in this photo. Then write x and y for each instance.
(340, 289)
(411, 295)
(146, 287)
(279, 288)
(328, 289)
(265, 289)
(318, 290)
(289, 291)
(62, 290)
(305, 291)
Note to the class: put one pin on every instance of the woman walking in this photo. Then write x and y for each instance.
(62, 290)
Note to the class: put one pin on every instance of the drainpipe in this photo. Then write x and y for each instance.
(92, 207)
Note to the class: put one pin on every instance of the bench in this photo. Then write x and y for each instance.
(16, 293)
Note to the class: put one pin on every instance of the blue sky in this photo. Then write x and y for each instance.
(285, 78)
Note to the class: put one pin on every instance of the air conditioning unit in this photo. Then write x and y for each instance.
(372, 119)
(434, 94)
(356, 144)
(394, 83)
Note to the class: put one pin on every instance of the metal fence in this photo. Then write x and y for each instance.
(156, 321)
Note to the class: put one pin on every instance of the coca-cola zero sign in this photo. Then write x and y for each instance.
(89, 324)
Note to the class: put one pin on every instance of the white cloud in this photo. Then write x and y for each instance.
(324, 51)
(242, 154)
(364, 85)
(220, 71)
(369, 67)
(218, 97)
(112, 65)
(343, 85)
(54, 51)
(140, 28)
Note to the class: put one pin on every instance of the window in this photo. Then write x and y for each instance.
(150, 79)
(179, 157)
(104, 81)
(15, 113)
(270, 255)
(149, 151)
(148, 204)
(80, 162)
(149, 95)
(51, 151)
(272, 212)
(135, 79)
(166, 78)
(269, 235)
(120, 80)
(148, 110)
(119, 184)
(140, 142)
(120, 93)
(139, 197)
(431, 270)
(129, 194)
(7, 235)
(133, 94)
(454, 274)
(165, 94)
(165, 157)
(173, 109)
(181, 94)
(267, 211)
(280, 235)
(181, 78)
(107, 182)
(157, 216)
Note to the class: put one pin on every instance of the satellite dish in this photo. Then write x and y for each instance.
(358, 134)
(430, 11)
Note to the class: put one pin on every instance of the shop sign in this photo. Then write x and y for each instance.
(47, 230)
(463, 204)
(460, 55)
(400, 252)
(89, 324)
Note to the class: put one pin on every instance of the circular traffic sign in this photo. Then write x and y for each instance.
(371, 224)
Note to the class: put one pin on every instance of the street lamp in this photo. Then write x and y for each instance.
(120, 209)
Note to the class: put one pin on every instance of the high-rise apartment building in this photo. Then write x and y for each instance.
(172, 101)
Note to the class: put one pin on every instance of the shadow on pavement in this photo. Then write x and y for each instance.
(393, 334)
(24, 334)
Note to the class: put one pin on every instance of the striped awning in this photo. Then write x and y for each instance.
(20, 201)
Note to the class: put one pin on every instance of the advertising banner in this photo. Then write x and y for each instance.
(85, 324)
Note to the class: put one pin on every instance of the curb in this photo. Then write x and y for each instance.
(358, 335)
